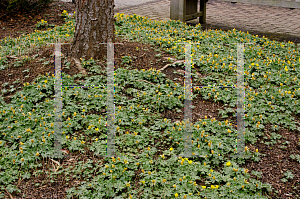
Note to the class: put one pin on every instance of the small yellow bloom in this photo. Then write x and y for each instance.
(204, 187)
(228, 164)
(171, 149)
(176, 195)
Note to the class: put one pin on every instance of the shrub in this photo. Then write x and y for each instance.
(23, 5)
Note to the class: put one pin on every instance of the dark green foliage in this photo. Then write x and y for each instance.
(23, 5)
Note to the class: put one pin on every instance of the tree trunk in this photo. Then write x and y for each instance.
(94, 25)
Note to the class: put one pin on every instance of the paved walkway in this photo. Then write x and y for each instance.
(273, 22)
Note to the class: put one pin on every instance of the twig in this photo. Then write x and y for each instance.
(163, 68)
(55, 161)
(170, 58)
(181, 71)
(141, 194)
(143, 55)
(200, 114)
(9, 194)
(145, 81)
(12, 57)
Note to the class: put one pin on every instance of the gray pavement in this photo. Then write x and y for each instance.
(265, 20)
(127, 4)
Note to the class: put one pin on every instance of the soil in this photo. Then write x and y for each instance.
(275, 162)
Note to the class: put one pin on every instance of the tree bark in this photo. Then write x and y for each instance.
(94, 25)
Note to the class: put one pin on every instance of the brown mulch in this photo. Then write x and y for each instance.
(17, 23)
(273, 165)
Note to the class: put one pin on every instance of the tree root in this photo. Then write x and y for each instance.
(176, 62)
(11, 197)
(145, 81)
(78, 66)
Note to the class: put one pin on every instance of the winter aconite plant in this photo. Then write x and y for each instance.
(148, 164)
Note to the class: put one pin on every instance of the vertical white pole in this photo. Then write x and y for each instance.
(187, 103)
(110, 101)
(240, 101)
(58, 102)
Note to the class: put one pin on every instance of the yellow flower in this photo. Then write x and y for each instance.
(286, 69)
(204, 187)
(176, 195)
(143, 181)
(171, 149)
(228, 164)
(174, 185)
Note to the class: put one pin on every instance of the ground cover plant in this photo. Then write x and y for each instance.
(149, 100)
